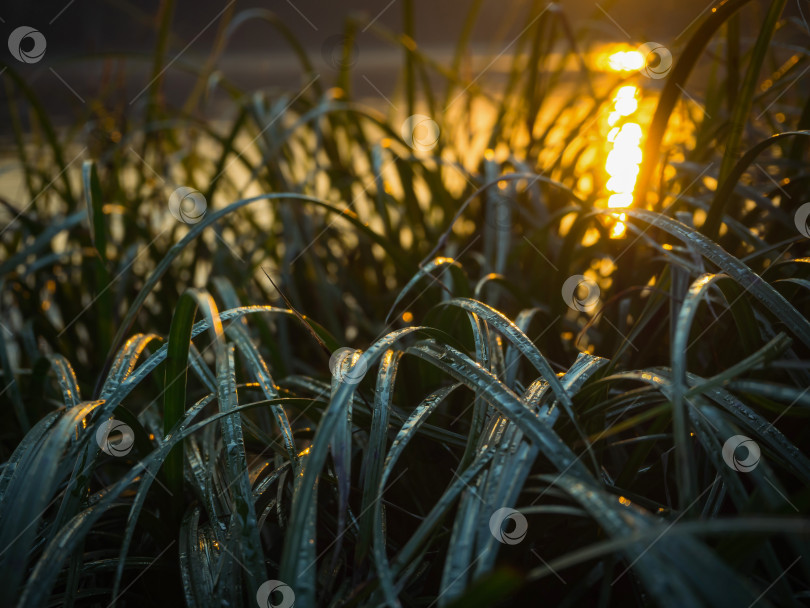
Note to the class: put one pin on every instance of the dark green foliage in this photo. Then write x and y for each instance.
(255, 456)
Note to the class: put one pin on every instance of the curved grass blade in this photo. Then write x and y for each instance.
(209, 219)
(772, 300)
(675, 83)
(405, 434)
(530, 351)
(723, 196)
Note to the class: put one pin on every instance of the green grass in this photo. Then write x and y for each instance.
(256, 456)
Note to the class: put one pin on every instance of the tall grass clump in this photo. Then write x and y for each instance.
(309, 351)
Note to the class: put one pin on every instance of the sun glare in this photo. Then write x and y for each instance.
(624, 157)
(626, 61)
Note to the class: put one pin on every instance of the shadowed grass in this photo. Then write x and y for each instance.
(472, 382)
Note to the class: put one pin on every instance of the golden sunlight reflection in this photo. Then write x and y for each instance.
(626, 61)
(624, 141)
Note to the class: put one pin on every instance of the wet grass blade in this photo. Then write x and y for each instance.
(753, 283)
(673, 87)
(743, 98)
(725, 190)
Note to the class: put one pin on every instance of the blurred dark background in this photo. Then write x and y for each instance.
(113, 25)
(98, 25)
(90, 42)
